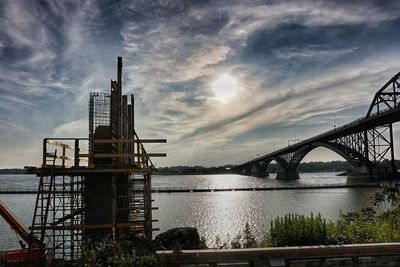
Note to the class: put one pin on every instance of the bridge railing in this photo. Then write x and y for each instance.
(335, 255)
(344, 126)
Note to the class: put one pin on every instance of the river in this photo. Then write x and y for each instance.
(222, 214)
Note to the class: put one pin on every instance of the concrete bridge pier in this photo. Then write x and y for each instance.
(287, 175)
(259, 170)
(247, 170)
(370, 174)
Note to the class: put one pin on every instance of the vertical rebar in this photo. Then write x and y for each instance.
(76, 154)
(125, 126)
(392, 161)
(133, 112)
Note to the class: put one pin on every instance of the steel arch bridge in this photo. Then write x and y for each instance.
(367, 143)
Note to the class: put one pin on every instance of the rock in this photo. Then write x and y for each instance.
(178, 239)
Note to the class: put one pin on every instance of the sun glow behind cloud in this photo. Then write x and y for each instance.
(224, 88)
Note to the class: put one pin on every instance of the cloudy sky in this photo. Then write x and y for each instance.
(223, 81)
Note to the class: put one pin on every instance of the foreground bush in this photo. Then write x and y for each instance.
(376, 223)
(246, 239)
(297, 230)
(115, 253)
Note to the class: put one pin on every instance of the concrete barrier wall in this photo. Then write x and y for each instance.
(384, 254)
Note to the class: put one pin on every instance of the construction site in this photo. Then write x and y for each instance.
(89, 188)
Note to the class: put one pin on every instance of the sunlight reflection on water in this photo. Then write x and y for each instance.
(226, 213)
(216, 213)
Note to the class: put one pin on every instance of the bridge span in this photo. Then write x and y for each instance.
(367, 143)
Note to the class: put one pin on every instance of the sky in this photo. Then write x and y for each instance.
(223, 81)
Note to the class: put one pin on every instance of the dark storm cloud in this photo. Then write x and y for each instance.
(299, 48)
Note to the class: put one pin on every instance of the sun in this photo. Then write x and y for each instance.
(224, 87)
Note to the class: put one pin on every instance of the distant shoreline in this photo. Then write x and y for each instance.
(306, 167)
(340, 173)
(12, 171)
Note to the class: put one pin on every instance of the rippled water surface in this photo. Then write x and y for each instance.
(214, 213)
(233, 180)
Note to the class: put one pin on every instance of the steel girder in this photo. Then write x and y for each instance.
(387, 98)
(367, 148)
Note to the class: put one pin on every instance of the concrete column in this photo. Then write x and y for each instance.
(98, 205)
(259, 170)
(288, 175)
(372, 174)
(246, 170)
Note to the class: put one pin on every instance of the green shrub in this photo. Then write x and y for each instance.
(147, 261)
(249, 240)
(297, 230)
(245, 239)
(203, 243)
(106, 253)
(219, 244)
(116, 253)
(236, 241)
(379, 222)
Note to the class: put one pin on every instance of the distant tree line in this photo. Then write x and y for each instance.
(334, 166)
(12, 171)
(195, 170)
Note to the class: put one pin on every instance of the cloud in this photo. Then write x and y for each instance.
(296, 64)
(77, 128)
(15, 126)
(312, 53)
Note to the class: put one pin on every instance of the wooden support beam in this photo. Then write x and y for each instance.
(90, 226)
(67, 138)
(69, 216)
(111, 141)
(59, 156)
(67, 157)
(130, 155)
(56, 143)
(47, 170)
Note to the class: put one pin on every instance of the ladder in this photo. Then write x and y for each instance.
(43, 201)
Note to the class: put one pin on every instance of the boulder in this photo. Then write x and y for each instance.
(178, 239)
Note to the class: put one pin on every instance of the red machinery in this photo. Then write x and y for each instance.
(32, 256)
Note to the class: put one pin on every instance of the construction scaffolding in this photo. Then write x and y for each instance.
(59, 207)
(106, 189)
